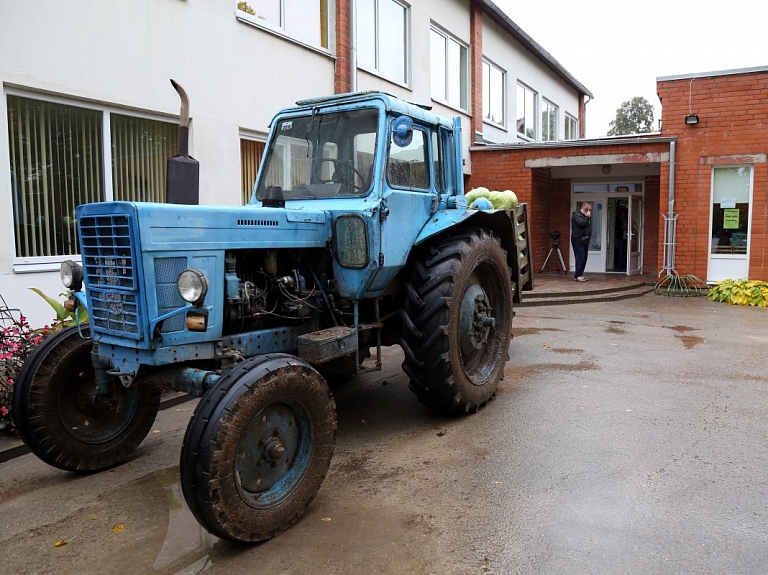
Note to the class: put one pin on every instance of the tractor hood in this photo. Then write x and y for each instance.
(166, 227)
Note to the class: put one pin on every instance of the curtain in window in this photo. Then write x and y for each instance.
(56, 165)
(140, 151)
(251, 152)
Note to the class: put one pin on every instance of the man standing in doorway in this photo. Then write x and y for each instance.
(581, 232)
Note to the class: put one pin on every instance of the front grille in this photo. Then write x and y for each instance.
(109, 265)
(167, 272)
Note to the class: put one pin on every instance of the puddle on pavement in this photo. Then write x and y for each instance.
(680, 328)
(565, 350)
(690, 341)
(615, 330)
(142, 527)
(518, 331)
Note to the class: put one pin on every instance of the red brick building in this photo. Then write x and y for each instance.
(714, 141)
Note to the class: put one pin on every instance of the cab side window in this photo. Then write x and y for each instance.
(408, 166)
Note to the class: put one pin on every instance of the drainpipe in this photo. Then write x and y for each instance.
(352, 46)
(671, 179)
(670, 218)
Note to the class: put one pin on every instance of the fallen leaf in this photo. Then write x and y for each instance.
(560, 383)
(442, 432)
(118, 528)
(363, 421)
(94, 518)
(326, 519)
(155, 431)
(545, 344)
(60, 543)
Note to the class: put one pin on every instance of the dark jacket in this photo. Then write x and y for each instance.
(581, 225)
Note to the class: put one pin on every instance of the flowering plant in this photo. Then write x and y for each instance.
(17, 340)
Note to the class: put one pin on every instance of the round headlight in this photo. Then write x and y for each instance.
(71, 275)
(192, 285)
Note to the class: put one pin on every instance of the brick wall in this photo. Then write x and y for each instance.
(732, 129)
(550, 199)
(476, 46)
(342, 72)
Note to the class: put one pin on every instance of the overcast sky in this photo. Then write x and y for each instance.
(617, 48)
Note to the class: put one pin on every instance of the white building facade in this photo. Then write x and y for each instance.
(88, 113)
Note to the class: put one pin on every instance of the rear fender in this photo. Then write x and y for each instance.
(498, 221)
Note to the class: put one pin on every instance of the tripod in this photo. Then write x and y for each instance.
(555, 249)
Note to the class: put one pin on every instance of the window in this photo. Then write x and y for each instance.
(322, 155)
(382, 38)
(408, 166)
(437, 162)
(448, 69)
(303, 20)
(548, 121)
(251, 152)
(493, 93)
(731, 188)
(526, 112)
(59, 160)
(571, 128)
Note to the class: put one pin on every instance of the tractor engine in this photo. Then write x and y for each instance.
(267, 288)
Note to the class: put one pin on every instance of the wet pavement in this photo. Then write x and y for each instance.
(626, 437)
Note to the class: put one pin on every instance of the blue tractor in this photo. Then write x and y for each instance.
(357, 236)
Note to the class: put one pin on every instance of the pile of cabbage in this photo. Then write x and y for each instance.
(483, 199)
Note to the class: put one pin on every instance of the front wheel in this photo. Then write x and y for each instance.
(457, 321)
(258, 447)
(64, 421)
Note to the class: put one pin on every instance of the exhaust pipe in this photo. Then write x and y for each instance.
(182, 184)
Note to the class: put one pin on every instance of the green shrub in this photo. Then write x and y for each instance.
(741, 292)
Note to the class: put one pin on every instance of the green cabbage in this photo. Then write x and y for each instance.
(475, 193)
(504, 200)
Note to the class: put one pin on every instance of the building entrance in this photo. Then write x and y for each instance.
(617, 227)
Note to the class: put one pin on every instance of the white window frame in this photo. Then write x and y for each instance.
(284, 31)
(534, 113)
(718, 262)
(550, 107)
(380, 46)
(450, 71)
(53, 263)
(488, 94)
(570, 119)
(258, 137)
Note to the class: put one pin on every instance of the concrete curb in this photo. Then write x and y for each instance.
(15, 447)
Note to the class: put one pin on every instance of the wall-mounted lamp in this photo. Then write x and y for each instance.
(691, 119)
(606, 169)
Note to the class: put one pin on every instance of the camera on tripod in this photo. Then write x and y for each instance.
(555, 249)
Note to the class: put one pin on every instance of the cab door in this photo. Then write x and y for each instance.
(409, 197)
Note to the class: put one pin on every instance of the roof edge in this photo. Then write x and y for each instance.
(581, 143)
(735, 71)
(521, 36)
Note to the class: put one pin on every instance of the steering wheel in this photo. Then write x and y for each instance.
(341, 173)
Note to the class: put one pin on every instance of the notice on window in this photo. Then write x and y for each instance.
(731, 219)
(728, 203)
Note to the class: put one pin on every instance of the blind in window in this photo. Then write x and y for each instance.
(140, 152)
(56, 164)
(250, 157)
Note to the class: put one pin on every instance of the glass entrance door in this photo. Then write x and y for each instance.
(635, 235)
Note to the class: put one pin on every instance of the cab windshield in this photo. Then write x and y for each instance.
(322, 156)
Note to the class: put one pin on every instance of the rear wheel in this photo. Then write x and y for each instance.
(457, 321)
(61, 417)
(258, 447)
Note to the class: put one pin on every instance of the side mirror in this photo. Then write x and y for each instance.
(402, 131)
